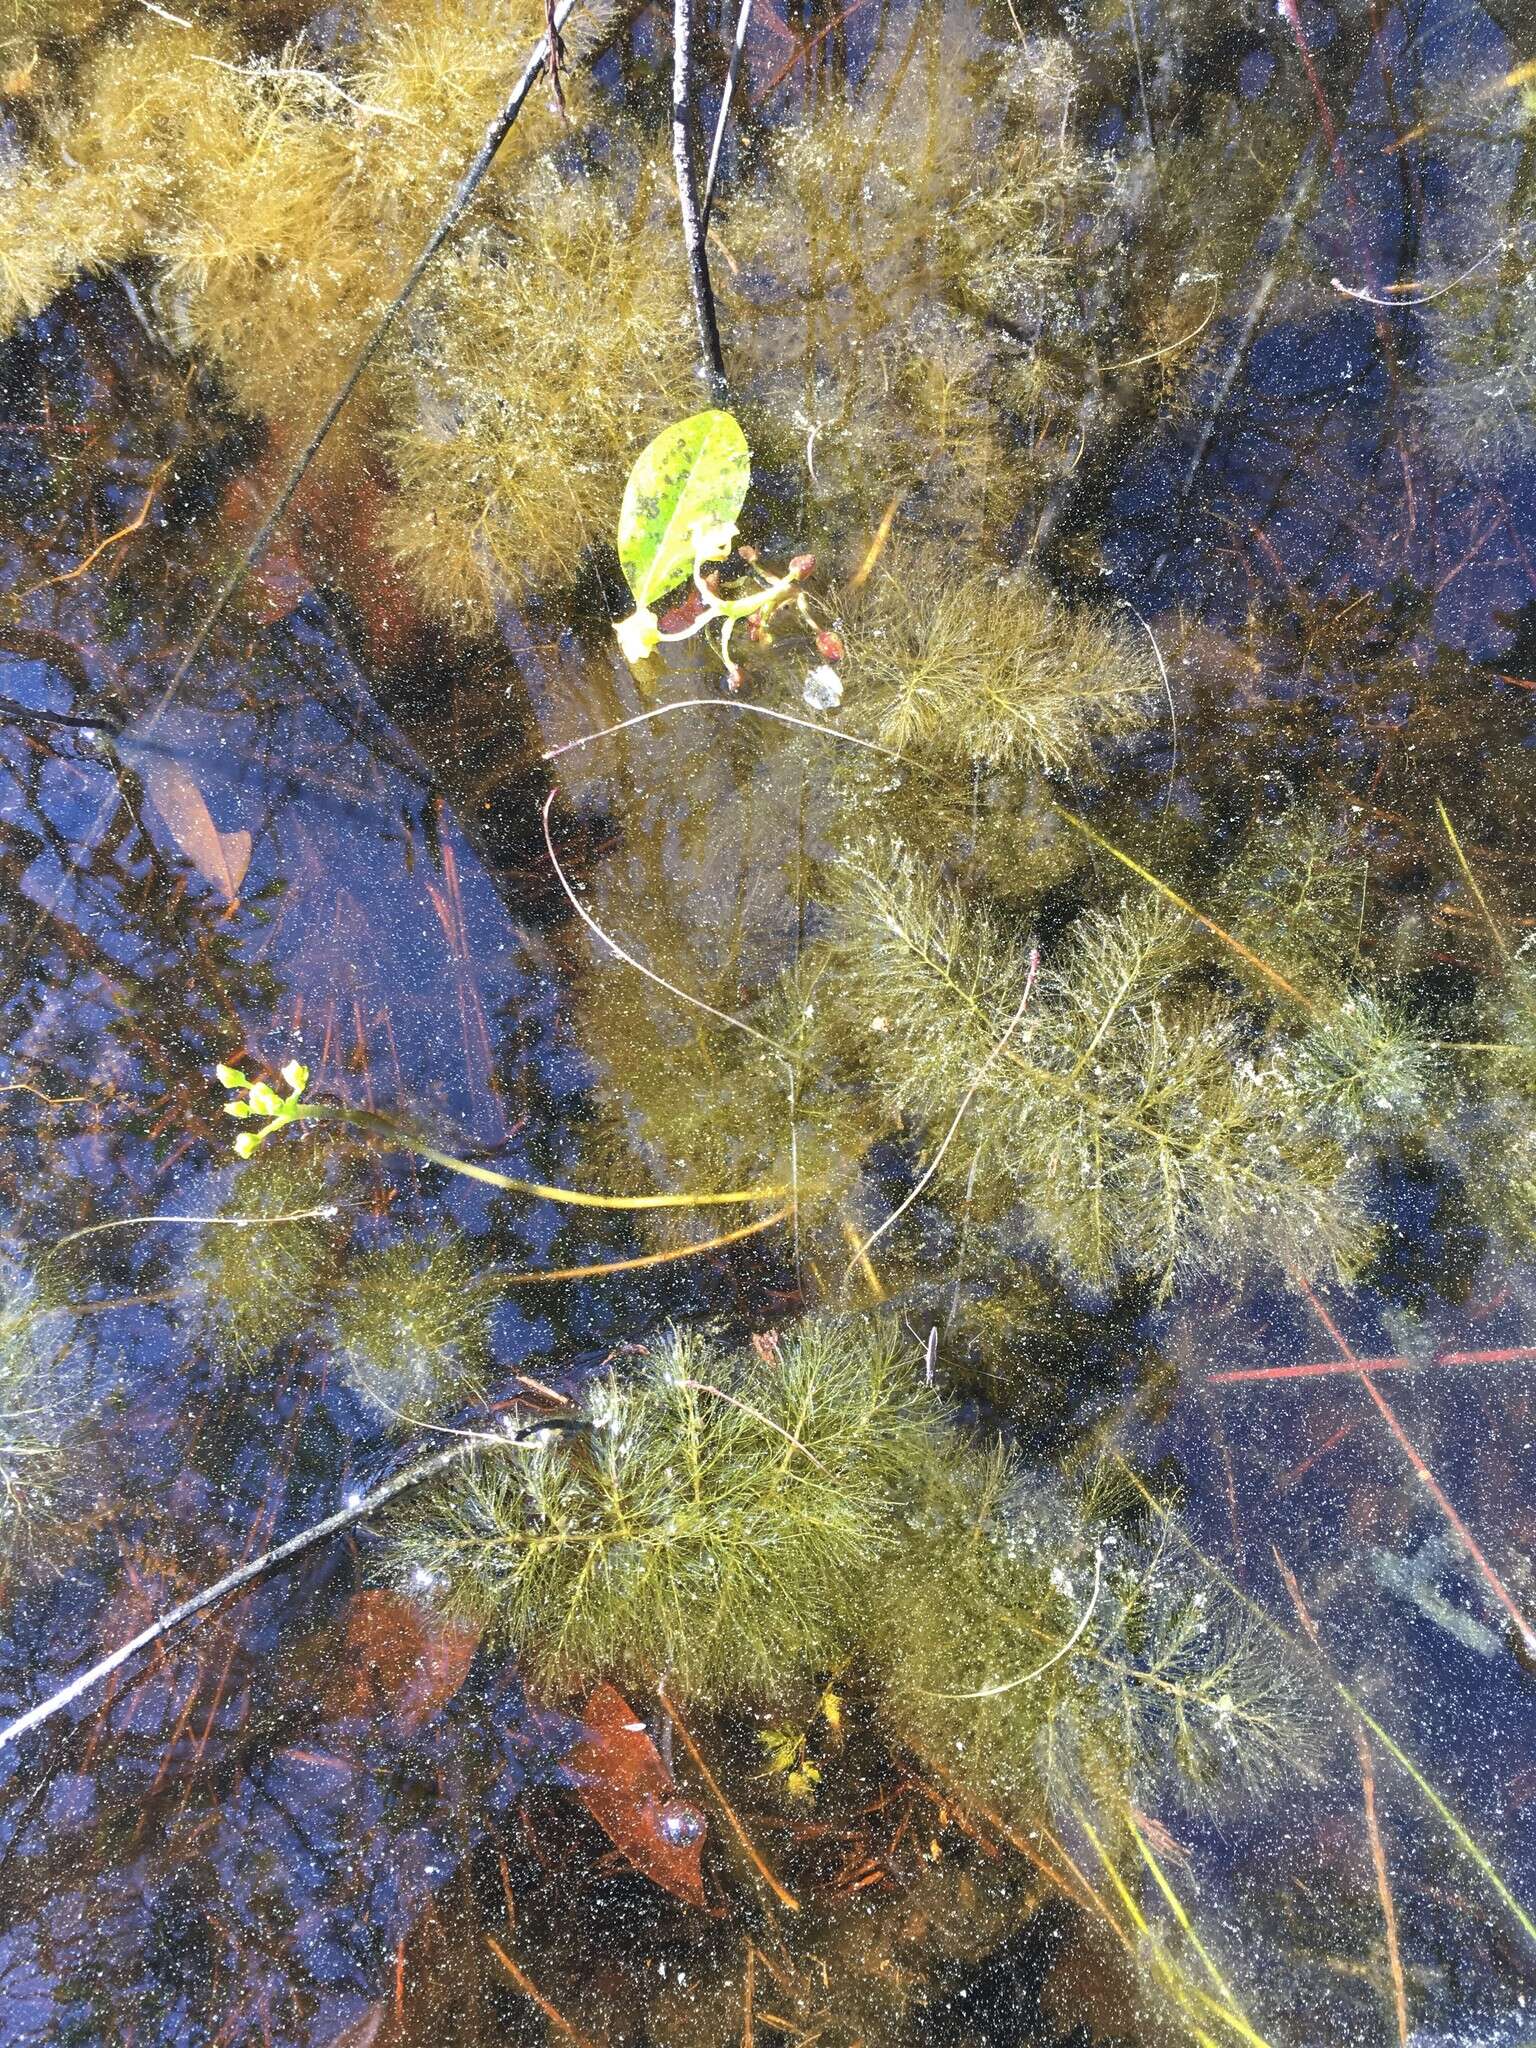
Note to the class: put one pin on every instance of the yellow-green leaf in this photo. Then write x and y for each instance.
(686, 486)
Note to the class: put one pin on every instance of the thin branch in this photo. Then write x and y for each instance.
(785, 1898)
(737, 47)
(830, 732)
(660, 980)
(688, 197)
(247, 1574)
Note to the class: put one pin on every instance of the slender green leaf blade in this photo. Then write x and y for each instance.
(692, 478)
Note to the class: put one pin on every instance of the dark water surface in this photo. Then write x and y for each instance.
(322, 1817)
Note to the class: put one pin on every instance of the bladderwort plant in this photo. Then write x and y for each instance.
(250, 1099)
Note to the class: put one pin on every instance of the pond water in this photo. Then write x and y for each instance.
(1043, 1552)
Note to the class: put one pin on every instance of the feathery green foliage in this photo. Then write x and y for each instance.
(988, 666)
(1297, 898)
(281, 199)
(1044, 1654)
(33, 1452)
(498, 487)
(412, 1326)
(717, 1523)
(266, 1281)
(1131, 1115)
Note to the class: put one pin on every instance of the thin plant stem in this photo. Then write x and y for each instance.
(660, 980)
(829, 732)
(1472, 882)
(992, 1692)
(785, 1898)
(1262, 966)
(535, 1996)
(573, 1198)
(666, 1258)
(1431, 1485)
(1328, 1368)
(255, 1568)
(688, 198)
(324, 1212)
(1383, 1884)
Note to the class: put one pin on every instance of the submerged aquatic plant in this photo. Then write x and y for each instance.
(412, 1326)
(989, 666)
(278, 200)
(266, 1275)
(33, 1421)
(1132, 1119)
(1046, 1654)
(717, 1522)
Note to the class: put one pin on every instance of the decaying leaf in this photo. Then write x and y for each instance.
(221, 858)
(617, 1773)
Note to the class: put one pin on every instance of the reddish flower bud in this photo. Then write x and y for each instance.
(829, 645)
(802, 566)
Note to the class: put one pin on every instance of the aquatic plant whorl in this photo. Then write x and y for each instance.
(412, 1327)
(978, 665)
(717, 1522)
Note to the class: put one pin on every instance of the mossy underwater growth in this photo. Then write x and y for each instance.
(912, 285)
(739, 1525)
(265, 1279)
(412, 1326)
(988, 666)
(34, 1453)
(715, 1524)
(280, 195)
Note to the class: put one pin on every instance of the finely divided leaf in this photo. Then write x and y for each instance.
(688, 483)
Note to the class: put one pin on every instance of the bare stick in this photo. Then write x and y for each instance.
(448, 220)
(258, 1567)
(724, 115)
(688, 198)
(785, 1898)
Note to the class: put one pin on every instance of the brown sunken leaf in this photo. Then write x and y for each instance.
(617, 1773)
(219, 857)
(394, 1659)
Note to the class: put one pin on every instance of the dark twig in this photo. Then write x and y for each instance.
(554, 57)
(538, 62)
(247, 1574)
(688, 197)
(731, 76)
(26, 714)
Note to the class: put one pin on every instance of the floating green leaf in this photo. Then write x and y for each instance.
(681, 502)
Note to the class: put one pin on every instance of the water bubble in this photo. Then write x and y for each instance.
(679, 1824)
